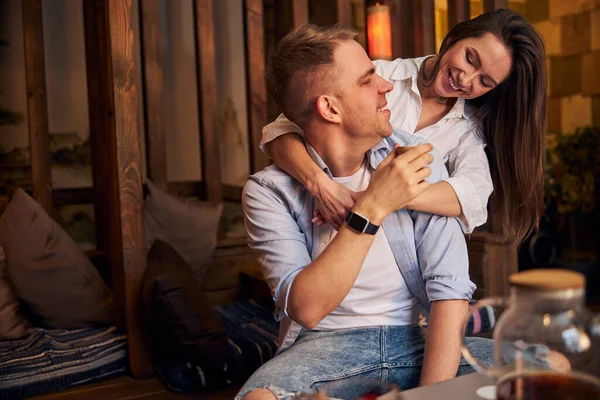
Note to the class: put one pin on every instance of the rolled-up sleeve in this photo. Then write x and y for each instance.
(442, 251)
(279, 127)
(471, 180)
(443, 257)
(276, 239)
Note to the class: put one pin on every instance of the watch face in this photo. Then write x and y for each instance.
(357, 222)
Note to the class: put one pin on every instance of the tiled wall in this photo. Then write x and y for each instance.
(476, 8)
(571, 32)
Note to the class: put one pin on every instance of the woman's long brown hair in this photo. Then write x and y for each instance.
(512, 118)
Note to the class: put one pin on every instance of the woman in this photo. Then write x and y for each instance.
(486, 88)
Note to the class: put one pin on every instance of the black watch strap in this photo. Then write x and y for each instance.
(360, 223)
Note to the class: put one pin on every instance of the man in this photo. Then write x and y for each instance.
(349, 302)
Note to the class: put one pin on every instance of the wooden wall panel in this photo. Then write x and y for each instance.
(491, 5)
(257, 91)
(116, 158)
(37, 106)
(403, 28)
(207, 98)
(344, 12)
(424, 17)
(152, 72)
(299, 12)
(458, 11)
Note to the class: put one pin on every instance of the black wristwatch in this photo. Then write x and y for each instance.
(360, 223)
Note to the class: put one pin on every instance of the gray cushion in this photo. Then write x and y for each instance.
(189, 225)
(49, 272)
(12, 323)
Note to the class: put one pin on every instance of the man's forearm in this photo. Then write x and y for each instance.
(440, 199)
(443, 342)
(289, 153)
(322, 285)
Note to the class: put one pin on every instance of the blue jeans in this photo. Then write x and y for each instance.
(389, 353)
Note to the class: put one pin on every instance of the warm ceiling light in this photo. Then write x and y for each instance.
(379, 32)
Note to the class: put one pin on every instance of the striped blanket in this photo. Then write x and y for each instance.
(252, 332)
(49, 360)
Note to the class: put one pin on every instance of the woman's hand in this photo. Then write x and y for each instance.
(320, 220)
(335, 201)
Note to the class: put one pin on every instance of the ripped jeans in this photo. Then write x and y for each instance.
(389, 353)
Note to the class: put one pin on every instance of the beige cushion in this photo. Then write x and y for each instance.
(50, 274)
(189, 225)
(12, 323)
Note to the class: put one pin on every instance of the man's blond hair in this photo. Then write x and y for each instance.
(302, 68)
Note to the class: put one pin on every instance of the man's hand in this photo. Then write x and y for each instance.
(398, 179)
(335, 201)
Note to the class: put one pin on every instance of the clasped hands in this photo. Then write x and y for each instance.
(398, 179)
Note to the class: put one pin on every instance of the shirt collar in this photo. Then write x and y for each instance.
(408, 68)
(461, 110)
(385, 145)
(317, 158)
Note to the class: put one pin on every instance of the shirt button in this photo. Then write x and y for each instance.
(322, 245)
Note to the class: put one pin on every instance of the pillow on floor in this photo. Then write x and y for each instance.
(49, 272)
(182, 323)
(189, 225)
(12, 323)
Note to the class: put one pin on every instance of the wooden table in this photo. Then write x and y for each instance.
(462, 388)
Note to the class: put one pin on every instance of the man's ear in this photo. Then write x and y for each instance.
(328, 109)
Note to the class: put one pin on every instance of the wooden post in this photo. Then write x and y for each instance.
(37, 107)
(458, 11)
(152, 72)
(491, 262)
(299, 12)
(424, 12)
(116, 158)
(403, 28)
(257, 91)
(344, 12)
(207, 98)
(491, 5)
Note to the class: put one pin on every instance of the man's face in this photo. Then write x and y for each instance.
(363, 107)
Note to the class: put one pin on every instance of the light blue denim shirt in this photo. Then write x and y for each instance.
(430, 250)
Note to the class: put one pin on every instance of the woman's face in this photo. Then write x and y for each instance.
(473, 67)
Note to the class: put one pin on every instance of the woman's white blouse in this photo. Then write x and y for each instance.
(455, 136)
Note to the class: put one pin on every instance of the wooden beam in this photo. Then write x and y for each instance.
(62, 197)
(403, 28)
(116, 158)
(299, 12)
(232, 193)
(207, 98)
(491, 5)
(37, 106)
(153, 89)
(424, 17)
(344, 13)
(458, 11)
(257, 91)
(187, 188)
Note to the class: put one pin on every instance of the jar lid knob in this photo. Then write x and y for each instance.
(548, 279)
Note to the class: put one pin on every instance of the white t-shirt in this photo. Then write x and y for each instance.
(379, 295)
